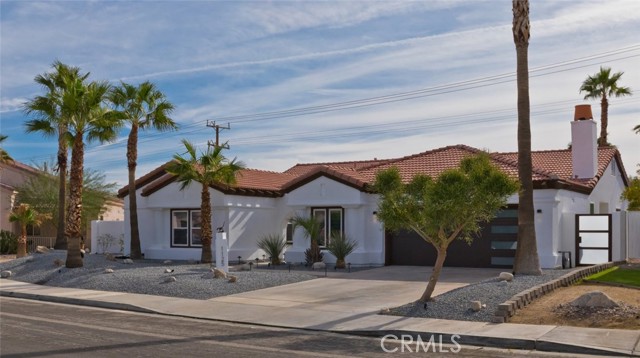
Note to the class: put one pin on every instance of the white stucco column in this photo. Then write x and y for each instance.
(222, 251)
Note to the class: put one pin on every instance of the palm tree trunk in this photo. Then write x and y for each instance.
(61, 240)
(526, 260)
(604, 118)
(435, 275)
(132, 155)
(74, 215)
(206, 234)
(22, 242)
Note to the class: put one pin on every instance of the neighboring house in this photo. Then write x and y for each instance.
(581, 180)
(15, 174)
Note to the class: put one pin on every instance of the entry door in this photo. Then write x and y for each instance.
(593, 239)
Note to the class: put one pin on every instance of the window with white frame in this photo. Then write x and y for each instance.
(331, 221)
(186, 228)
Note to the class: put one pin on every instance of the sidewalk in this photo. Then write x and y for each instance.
(343, 319)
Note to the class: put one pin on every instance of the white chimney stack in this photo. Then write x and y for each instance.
(584, 147)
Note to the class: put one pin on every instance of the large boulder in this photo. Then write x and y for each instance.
(505, 276)
(233, 278)
(217, 273)
(42, 249)
(594, 299)
(6, 274)
(475, 306)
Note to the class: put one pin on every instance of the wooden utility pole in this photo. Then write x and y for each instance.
(217, 128)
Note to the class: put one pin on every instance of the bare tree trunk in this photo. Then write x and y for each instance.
(604, 118)
(435, 275)
(61, 240)
(74, 216)
(132, 155)
(205, 212)
(526, 259)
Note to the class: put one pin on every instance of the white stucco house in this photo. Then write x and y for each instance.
(582, 180)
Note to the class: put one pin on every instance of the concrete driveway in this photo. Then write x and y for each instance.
(360, 292)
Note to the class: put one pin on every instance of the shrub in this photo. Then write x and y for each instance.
(8, 242)
(273, 245)
(341, 246)
(313, 254)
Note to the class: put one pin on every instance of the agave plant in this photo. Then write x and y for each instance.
(341, 246)
(273, 245)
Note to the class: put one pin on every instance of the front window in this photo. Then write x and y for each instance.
(186, 228)
(331, 221)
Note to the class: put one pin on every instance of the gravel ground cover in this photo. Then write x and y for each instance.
(492, 292)
(143, 276)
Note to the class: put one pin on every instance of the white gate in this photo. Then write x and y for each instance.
(593, 238)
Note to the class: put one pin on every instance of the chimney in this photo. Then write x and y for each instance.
(584, 148)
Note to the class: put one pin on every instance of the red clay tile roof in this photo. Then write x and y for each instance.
(551, 169)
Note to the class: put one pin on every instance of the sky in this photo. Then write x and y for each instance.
(319, 81)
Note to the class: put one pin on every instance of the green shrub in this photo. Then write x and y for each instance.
(341, 246)
(8, 243)
(273, 245)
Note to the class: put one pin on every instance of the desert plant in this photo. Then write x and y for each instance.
(8, 242)
(273, 245)
(341, 246)
(313, 254)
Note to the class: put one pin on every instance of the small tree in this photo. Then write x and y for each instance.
(312, 230)
(25, 215)
(209, 168)
(4, 156)
(445, 208)
(341, 246)
(632, 194)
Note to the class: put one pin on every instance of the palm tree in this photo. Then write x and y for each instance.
(143, 107)
(602, 85)
(210, 168)
(86, 118)
(637, 129)
(526, 260)
(50, 120)
(312, 229)
(25, 215)
(4, 156)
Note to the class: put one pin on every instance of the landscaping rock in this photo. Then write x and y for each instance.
(594, 299)
(82, 252)
(6, 274)
(208, 276)
(504, 283)
(127, 261)
(233, 278)
(108, 270)
(110, 257)
(318, 266)
(42, 250)
(168, 270)
(58, 262)
(505, 276)
(217, 273)
(475, 306)
(170, 279)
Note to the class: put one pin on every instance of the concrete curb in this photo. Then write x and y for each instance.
(76, 301)
(507, 309)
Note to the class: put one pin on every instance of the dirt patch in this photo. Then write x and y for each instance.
(4, 258)
(553, 309)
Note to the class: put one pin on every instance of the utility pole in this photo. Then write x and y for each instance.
(217, 128)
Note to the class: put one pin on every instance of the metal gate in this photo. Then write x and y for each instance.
(593, 238)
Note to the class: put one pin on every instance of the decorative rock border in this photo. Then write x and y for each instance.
(507, 309)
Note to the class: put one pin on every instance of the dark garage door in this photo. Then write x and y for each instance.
(494, 248)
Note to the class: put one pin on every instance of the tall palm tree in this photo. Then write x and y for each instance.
(50, 120)
(86, 118)
(602, 85)
(637, 129)
(526, 260)
(25, 215)
(143, 107)
(210, 168)
(4, 156)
